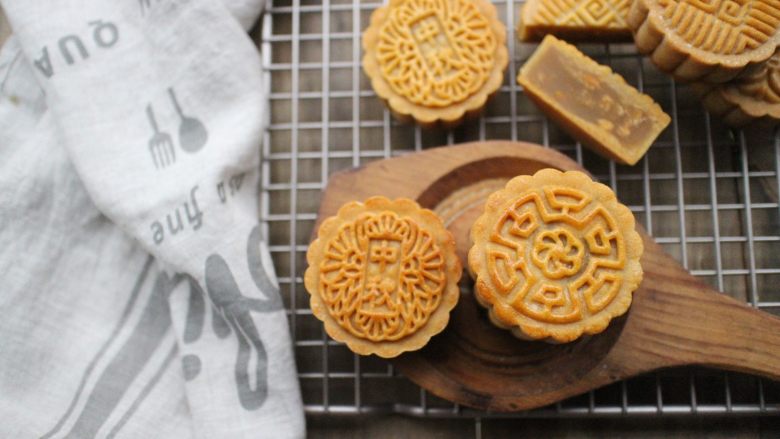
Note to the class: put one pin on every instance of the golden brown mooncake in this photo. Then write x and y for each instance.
(383, 276)
(575, 20)
(590, 102)
(706, 40)
(555, 256)
(751, 98)
(435, 61)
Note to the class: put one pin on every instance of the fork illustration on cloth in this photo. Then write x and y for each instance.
(160, 145)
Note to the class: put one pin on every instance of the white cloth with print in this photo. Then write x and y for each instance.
(137, 296)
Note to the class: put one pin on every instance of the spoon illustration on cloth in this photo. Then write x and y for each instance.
(192, 132)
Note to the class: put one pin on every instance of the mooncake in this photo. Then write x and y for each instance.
(706, 40)
(575, 20)
(590, 102)
(383, 276)
(752, 98)
(555, 256)
(435, 61)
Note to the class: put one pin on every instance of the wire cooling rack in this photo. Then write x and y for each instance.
(707, 194)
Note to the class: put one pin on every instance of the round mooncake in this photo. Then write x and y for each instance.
(555, 256)
(435, 61)
(750, 99)
(706, 40)
(383, 276)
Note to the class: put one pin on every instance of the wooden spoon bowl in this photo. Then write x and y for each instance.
(675, 319)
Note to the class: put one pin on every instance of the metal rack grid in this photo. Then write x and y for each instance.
(708, 195)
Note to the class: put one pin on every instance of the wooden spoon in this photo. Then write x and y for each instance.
(675, 319)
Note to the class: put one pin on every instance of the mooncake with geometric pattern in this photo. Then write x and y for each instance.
(555, 256)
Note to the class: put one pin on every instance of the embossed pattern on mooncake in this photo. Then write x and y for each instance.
(436, 53)
(727, 27)
(383, 276)
(575, 20)
(555, 256)
(713, 40)
(435, 59)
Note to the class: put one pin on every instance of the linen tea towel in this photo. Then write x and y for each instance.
(160, 111)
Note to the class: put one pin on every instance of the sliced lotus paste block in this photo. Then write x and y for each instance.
(575, 20)
(591, 103)
(435, 61)
(555, 256)
(706, 40)
(752, 98)
(383, 276)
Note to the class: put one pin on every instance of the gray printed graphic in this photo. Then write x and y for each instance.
(105, 35)
(175, 219)
(237, 310)
(234, 185)
(260, 275)
(132, 357)
(146, 5)
(196, 316)
(160, 145)
(124, 368)
(231, 313)
(44, 63)
(76, 42)
(144, 393)
(190, 366)
(90, 368)
(192, 133)
(218, 324)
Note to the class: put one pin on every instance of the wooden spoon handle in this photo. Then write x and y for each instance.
(678, 320)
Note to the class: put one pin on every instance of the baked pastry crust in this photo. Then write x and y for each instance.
(435, 61)
(752, 98)
(383, 276)
(575, 20)
(555, 256)
(712, 40)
